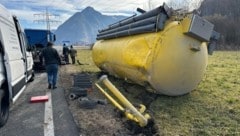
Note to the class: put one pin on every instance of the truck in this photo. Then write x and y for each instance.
(16, 62)
(38, 39)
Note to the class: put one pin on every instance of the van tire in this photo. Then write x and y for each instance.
(4, 108)
(32, 78)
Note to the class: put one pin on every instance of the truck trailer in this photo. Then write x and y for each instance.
(38, 39)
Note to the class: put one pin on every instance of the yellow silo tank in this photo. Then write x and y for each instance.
(170, 61)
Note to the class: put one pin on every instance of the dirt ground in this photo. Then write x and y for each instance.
(102, 120)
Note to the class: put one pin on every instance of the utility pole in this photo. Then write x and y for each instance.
(48, 19)
(149, 5)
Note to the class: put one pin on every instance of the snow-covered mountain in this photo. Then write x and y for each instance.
(82, 27)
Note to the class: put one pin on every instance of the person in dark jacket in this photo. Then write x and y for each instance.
(66, 53)
(52, 60)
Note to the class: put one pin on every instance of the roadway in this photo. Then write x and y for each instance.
(51, 118)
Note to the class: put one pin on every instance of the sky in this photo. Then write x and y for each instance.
(32, 13)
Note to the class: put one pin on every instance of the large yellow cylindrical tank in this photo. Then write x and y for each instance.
(171, 62)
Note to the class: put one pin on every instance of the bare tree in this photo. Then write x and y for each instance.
(185, 4)
(195, 4)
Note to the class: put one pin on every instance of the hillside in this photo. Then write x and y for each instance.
(83, 26)
(225, 14)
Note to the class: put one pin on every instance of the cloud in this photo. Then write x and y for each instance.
(25, 9)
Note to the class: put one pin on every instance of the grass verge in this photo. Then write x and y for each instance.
(213, 108)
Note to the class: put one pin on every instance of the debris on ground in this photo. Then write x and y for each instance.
(79, 63)
(77, 92)
(36, 99)
(93, 114)
(88, 103)
(81, 86)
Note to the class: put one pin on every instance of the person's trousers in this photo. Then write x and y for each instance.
(66, 58)
(73, 59)
(52, 70)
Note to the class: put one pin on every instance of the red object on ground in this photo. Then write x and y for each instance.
(39, 99)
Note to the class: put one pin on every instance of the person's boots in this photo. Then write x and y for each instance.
(49, 86)
(54, 87)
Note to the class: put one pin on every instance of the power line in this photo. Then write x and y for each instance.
(46, 18)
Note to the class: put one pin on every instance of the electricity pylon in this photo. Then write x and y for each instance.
(48, 19)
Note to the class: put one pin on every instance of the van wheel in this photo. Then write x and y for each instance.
(4, 108)
(32, 78)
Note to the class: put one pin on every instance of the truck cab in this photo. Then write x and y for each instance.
(16, 62)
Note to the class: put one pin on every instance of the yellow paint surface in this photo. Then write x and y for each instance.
(164, 60)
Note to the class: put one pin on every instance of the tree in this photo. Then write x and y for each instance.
(188, 5)
(225, 15)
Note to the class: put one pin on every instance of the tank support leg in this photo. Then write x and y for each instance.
(129, 110)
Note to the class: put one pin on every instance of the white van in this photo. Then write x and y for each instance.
(16, 63)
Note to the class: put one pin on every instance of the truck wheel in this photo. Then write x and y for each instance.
(4, 108)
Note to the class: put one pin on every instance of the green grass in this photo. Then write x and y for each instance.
(85, 57)
(213, 108)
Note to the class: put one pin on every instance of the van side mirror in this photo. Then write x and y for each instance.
(29, 48)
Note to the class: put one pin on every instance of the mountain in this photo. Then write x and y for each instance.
(82, 27)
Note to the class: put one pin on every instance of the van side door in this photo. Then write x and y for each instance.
(14, 59)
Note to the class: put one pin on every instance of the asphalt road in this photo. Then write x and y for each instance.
(51, 118)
